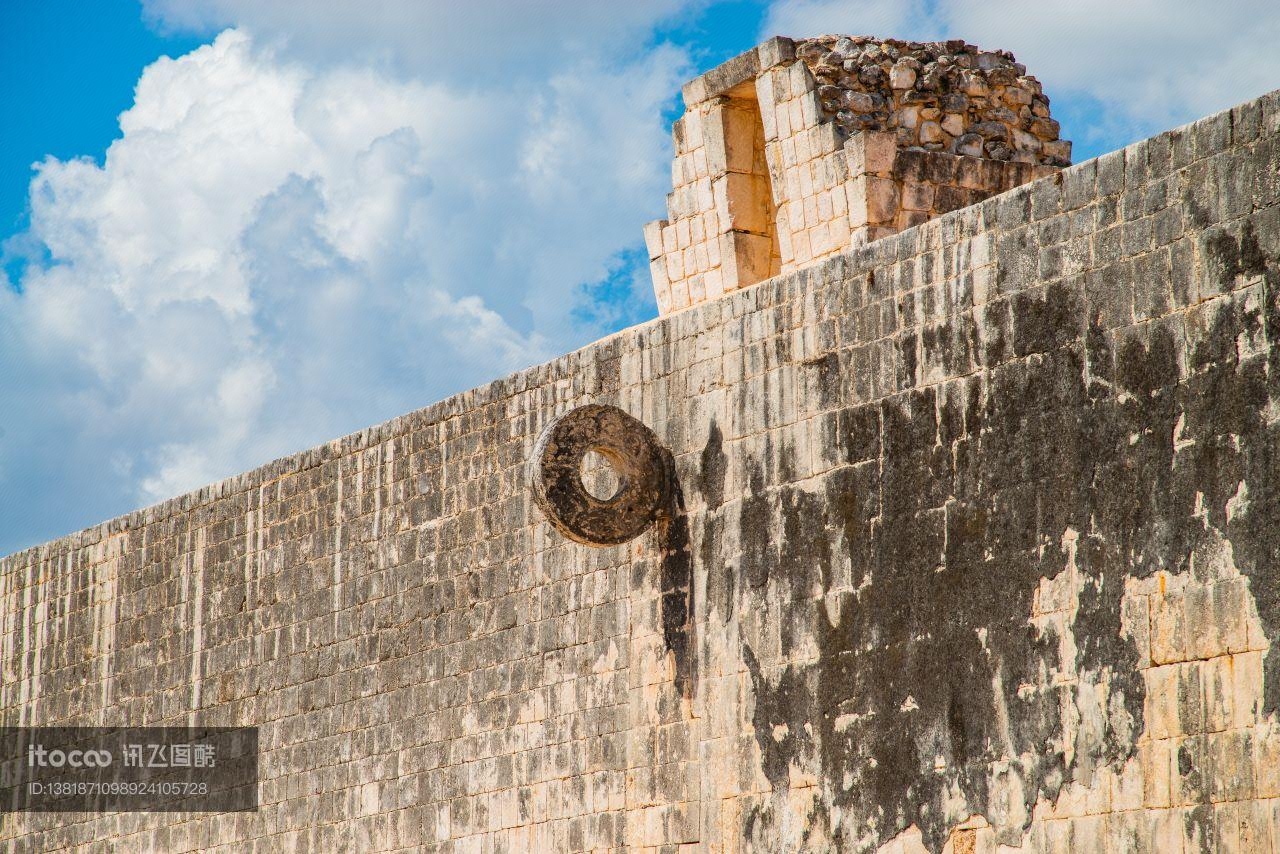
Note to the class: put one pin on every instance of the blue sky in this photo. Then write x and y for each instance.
(69, 70)
(236, 229)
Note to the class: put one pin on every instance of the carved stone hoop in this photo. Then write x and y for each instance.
(555, 474)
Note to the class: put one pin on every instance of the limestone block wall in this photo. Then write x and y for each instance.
(797, 151)
(977, 550)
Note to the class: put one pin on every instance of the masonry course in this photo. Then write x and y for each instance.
(976, 528)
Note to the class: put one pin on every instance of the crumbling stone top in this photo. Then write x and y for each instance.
(938, 96)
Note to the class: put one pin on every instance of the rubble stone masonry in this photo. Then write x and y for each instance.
(974, 546)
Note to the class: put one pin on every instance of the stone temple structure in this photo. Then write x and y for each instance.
(939, 512)
(798, 151)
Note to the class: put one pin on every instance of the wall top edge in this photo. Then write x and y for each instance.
(1203, 138)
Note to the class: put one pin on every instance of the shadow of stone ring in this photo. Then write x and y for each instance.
(631, 448)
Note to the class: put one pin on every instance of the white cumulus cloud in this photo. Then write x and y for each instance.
(476, 43)
(284, 246)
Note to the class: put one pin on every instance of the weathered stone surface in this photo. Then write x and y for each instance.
(974, 542)
(639, 464)
(769, 173)
(975, 87)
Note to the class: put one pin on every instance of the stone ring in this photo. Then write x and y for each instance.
(636, 456)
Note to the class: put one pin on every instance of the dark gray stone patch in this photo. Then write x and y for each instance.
(949, 537)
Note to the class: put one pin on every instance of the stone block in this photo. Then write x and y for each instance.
(1219, 693)
(745, 258)
(661, 286)
(683, 234)
(702, 198)
(1157, 763)
(1110, 171)
(871, 153)
(699, 160)
(917, 197)
(724, 78)
(700, 257)
(910, 219)
(801, 80)
(775, 51)
(856, 201)
(694, 92)
(1202, 635)
(1161, 706)
(947, 198)
(1167, 225)
(881, 198)
(1089, 834)
(782, 119)
(973, 173)
(739, 136)
(1191, 775)
(1168, 628)
(803, 145)
(679, 291)
(1246, 689)
(1211, 134)
(800, 246)
(713, 283)
(839, 230)
(678, 204)
(808, 212)
(804, 181)
(715, 140)
(1230, 614)
(1128, 831)
(931, 132)
(1266, 759)
(1046, 199)
(1079, 185)
(902, 76)
(1232, 771)
(879, 232)
(653, 237)
(668, 239)
(820, 240)
(675, 267)
(793, 216)
(1257, 829)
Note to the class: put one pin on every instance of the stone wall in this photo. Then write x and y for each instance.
(891, 188)
(979, 524)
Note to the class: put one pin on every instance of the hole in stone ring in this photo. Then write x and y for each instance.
(599, 477)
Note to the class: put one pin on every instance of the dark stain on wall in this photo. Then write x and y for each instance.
(950, 508)
(714, 466)
(676, 580)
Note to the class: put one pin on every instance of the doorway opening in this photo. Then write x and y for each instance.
(753, 215)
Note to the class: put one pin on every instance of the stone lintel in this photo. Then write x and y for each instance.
(743, 68)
